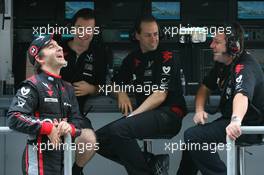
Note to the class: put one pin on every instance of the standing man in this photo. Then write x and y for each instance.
(160, 108)
(46, 108)
(87, 58)
(240, 80)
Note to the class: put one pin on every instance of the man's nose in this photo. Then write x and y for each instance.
(59, 48)
(212, 45)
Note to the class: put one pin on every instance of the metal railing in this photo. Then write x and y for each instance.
(231, 153)
(67, 152)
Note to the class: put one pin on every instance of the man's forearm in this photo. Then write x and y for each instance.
(152, 102)
(93, 90)
(201, 98)
(240, 105)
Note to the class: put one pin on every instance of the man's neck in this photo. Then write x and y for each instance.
(143, 50)
(79, 46)
(229, 61)
(55, 71)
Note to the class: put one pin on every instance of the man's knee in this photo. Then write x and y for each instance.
(114, 130)
(118, 130)
(191, 135)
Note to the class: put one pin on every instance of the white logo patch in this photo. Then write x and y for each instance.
(134, 77)
(166, 70)
(21, 102)
(67, 104)
(90, 57)
(239, 79)
(228, 91)
(51, 78)
(87, 74)
(165, 81)
(24, 91)
(53, 100)
(150, 63)
(46, 85)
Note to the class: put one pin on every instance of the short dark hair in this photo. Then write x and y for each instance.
(144, 18)
(85, 13)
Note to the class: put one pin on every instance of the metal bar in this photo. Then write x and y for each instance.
(231, 157)
(5, 129)
(231, 153)
(68, 155)
(242, 161)
(252, 129)
(67, 151)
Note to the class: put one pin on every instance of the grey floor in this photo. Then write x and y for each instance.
(11, 148)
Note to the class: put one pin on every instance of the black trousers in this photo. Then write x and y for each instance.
(81, 102)
(207, 159)
(117, 140)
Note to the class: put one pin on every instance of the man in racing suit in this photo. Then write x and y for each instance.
(46, 109)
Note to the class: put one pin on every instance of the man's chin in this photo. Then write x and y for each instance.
(218, 59)
(83, 38)
(62, 64)
(153, 48)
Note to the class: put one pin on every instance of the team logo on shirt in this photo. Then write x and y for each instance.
(89, 57)
(166, 69)
(21, 102)
(165, 81)
(51, 100)
(150, 64)
(49, 87)
(239, 79)
(24, 91)
(148, 73)
(228, 93)
(238, 68)
(88, 67)
(166, 55)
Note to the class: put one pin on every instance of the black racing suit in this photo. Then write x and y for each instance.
(155, 70)
(90, 66)
(40, 101)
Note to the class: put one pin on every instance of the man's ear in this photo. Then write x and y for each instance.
(39, 59)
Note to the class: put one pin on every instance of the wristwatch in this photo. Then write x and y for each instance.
(236, 119)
